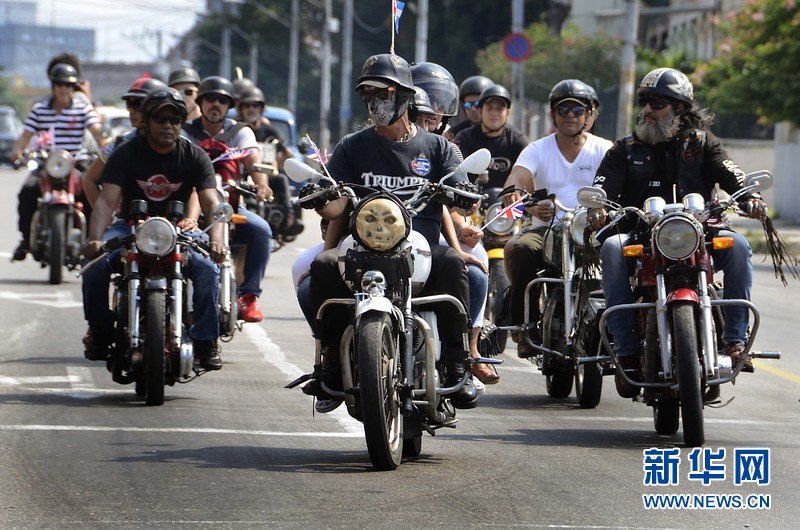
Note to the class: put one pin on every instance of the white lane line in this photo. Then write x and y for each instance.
(274, 355)
(57, 299)
(36, 380)
(176, 430)
(80, 377)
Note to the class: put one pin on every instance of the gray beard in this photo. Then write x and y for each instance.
(661, 131)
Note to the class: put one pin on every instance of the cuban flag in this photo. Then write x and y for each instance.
(233, 153)
(397, 12)
(514, 210)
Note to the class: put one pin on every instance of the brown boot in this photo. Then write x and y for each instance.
(485, 375)
(734, 350)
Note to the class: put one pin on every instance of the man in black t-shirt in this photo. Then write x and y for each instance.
(157, 167)
(502, 140)
(392, 154)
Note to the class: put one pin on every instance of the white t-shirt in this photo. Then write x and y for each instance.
(552, 171)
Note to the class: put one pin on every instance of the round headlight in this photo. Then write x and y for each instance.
(156, 237)
(58, 164)
(677, 236)
(578, 225)
(501, 226)
(380, 224)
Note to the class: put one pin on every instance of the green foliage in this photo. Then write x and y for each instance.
(8, 96)
(593, 59)
(756, 70)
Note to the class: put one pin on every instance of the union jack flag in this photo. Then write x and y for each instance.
(316, 154)
(514, 210)
(45, 139)
(233, 153)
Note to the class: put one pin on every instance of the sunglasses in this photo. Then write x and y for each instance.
(577, 110)
(250, 105)
(655, 103)
(367, 93)
(133, 104)
(163, 119)
(59, 83)
(216, 98)
(468, 105)
(189, 91)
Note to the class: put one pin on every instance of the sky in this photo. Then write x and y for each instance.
(124, 29)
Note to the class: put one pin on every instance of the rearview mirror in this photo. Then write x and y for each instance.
(224, 211)
(300, 172)
(476, 162)
(592, 197)
(762, 180)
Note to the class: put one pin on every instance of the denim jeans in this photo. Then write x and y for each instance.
(478, 287)
(735, 263)
(203, 273)
(256, 234)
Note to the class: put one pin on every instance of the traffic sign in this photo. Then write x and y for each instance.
(517, 47)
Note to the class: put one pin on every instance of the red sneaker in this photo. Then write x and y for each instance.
(248, 308)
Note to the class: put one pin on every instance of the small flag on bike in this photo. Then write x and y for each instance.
(45, 139)
(397, 12)
(316, 154)
(233, 153)
(515, 210)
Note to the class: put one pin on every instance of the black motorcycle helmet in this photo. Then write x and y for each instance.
(141, 87)
(386, 70)
(420, 103)
(595, 98)
(240, 85)
(668, 83)
(474, 85)
(495, 91)
(216, 85)
(183, 75)
(63, 73)
(158, 98)
(571, 89)
(251, 94)
(439, 85)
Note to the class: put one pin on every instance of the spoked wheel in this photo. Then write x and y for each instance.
(559, 379)
(154, 347)
(589, 377)
(227, 321)
(379, 370)
(689, 375)
(498, 282)
(56, 247)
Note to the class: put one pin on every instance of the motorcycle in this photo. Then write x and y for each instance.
(680, 307)
(570, 301)
(390, 354)
(152, 347)
(59, 226)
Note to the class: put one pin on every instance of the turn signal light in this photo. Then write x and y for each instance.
(720, 243)
(633, 251)
(238, 219)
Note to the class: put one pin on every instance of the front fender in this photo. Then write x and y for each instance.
(378, 303)
(683, 294)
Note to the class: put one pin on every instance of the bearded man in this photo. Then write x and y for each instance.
(670, 154)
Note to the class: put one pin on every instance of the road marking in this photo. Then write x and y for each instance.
(80, 375)
(274, 355)
(175, 430)
(58, 299)
(36, 380)
(777, 371)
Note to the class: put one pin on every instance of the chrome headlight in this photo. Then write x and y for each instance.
(677, 236)
(59, 164)
(501, 226)
(380, 224)
(578, 225)
(156, 237)
(694, 204)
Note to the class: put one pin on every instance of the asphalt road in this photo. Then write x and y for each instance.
(234, 449)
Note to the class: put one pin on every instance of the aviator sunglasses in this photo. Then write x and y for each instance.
(564, 109)
(655, 103)
(469, 105)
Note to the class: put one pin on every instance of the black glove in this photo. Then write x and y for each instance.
(461, 202)
(317, 202)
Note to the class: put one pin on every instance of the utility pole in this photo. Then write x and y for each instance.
(325, 79)
(421, 45)
(517, 77)
(345, 106)
(627, 67)
(225, 45)
(294, 51)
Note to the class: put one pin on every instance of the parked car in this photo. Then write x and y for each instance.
(10, 129)
(116, 120)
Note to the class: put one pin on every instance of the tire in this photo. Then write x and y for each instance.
(559, 381)
(227, 323)
(154, 347)
(378, 370)
(412, 447)
(666, 415)
(56, 246)
(498, 282)
(689, 375)
(589, 377)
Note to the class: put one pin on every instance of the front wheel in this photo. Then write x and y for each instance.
(689, 375)
(154, 348)
(56, 247)
(559, 376)
(589, 377)
(379, 371)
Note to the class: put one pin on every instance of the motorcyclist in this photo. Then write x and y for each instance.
(440, 96)
(133, 99)
(214, 132)
(158, 166)
(502, 140)
(561, 162)
(187, 82)
(670, 154)
(387, 156)
(469, 92)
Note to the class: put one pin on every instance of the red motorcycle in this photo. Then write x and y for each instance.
(681, 305)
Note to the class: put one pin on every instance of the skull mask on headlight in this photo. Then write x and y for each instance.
(380, 224)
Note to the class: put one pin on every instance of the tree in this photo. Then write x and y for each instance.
(756, 70)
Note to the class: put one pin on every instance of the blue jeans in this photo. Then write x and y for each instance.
(478, 288)
(304, 299)
(203, 273)
(256, 234)
(734, 262)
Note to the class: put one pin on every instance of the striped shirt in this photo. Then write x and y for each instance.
(68, 126)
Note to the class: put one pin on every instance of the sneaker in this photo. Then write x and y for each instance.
(248, 308)
(97, 343)
(207, 354)
(734, 351)
(630, 365)
(21, 252)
